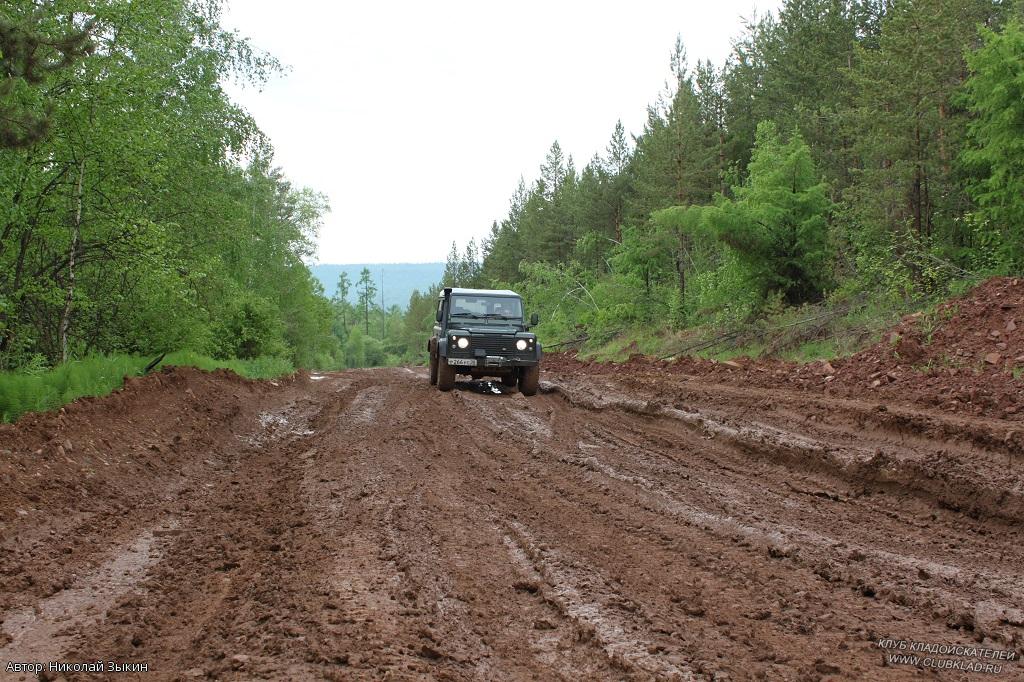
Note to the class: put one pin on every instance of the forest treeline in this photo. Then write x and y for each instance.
(846, 148)
(140, 211)
(869, 148)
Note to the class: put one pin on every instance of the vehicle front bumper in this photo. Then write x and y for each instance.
(491, 361)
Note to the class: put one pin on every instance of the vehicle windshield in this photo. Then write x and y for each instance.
(486, 307)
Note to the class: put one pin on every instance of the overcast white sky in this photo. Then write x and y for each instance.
(417, 119)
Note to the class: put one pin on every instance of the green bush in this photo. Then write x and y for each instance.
(355, 348)
(253, 329)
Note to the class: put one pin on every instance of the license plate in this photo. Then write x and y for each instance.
(470, 362)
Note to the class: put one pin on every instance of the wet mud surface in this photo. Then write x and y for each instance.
(629, 525)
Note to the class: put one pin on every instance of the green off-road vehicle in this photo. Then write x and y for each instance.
(482, 333)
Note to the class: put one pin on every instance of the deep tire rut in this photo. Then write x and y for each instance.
(364, 525)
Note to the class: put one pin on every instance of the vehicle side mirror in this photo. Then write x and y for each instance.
(534, 320)
(437, 316)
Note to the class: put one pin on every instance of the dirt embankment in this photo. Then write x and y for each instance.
(689, 520)
(963, 359)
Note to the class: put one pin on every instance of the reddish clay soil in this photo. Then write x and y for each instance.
(631, 522)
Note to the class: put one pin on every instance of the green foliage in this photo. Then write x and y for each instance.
(646, 255)
(909, 128)
(41, 391)
(131, 227)
(463, 270)
(678, 158)
(366, 292)
(263, 367)
(373, 353)
(813, 350)
(995, 93)
(778, 222)
(628, 342)
(252, 329)
(343, 313)
(412, 330)
(793, 69)
(34, 45)
(559, 296)
(722, 296)
(355, 349)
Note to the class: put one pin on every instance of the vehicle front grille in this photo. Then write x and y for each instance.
(491, 345)
(494, 345)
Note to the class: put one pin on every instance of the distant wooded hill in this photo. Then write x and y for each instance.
(400, 279)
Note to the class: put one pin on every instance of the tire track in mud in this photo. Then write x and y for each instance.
(932, 476)
(814, 549)
(374, 527)
(44, 631)
(429, 524)
(350, 488)
(578, 595)
(227, 584)
(727, 526)
(903, 574)
(672, 623)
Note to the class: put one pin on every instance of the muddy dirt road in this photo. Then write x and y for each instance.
(362, 525)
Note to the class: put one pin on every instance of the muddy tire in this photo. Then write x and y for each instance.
(529, 380)
(433, 370)
(445, 375)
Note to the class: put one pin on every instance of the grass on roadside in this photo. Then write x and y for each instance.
(39, 391)
(805, 334)
(266, 367)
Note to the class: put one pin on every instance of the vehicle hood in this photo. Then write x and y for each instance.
(491, 329)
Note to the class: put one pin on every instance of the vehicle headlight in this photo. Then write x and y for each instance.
(463, 342)
(521, 344)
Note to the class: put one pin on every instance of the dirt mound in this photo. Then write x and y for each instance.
(962, 358)
(978, 332)
(35, 430)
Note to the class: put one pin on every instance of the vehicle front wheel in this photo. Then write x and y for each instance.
(445, 375)
(433, 370)
(529, 380)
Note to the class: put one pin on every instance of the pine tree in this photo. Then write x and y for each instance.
(618, 153)
(502, 251)
(31, 50)
(340, 302)
(778, 222)
(552, 172)
(545, 225)
(709, 88)
(908, 125)
(615, 178)
(794, 69)
(471, 265)
(355, 348)
(996, 151)
(677, 157)
(366, 291)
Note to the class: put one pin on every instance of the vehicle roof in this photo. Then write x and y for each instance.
(482, 292)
